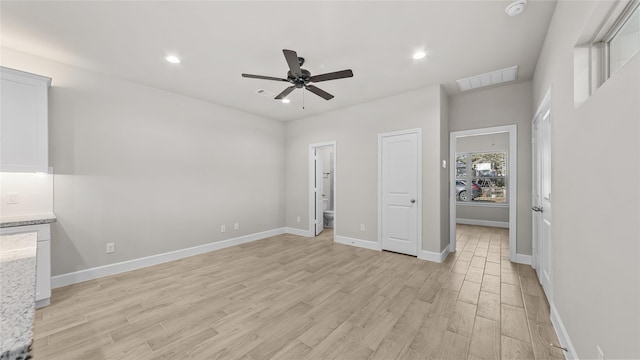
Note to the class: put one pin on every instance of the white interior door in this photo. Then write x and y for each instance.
(535, 193)
(319, 190)
(399, 171)
(542, 250)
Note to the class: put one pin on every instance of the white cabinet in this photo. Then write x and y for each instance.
(43, 259)
(43, 273)
(23, 121)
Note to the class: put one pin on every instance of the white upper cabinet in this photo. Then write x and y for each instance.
(24, 122)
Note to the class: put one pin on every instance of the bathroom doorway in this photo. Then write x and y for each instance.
(322, 187)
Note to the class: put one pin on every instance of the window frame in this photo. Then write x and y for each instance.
(624, 17)
(468, 175)
(591, 56)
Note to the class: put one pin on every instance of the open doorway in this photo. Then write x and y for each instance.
(322, 187)
(484, 171)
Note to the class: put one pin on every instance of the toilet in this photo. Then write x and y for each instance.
(328, 218)
(327, 215)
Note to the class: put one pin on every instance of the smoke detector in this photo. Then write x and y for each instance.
(516, 7)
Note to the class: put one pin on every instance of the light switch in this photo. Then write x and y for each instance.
(12, 198)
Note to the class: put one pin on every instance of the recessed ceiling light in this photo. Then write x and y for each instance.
(286, 101)
(419, 55)
(173, 59)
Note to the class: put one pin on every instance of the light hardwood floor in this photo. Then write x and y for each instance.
(290, 297)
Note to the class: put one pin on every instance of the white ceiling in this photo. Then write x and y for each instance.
(218, 41)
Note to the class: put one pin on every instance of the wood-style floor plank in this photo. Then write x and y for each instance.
(289, 297)
(485, 342)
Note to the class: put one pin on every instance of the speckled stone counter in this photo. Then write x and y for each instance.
(17, 289)
(27, 220)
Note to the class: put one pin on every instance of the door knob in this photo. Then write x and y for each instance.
(413, 201)
(536, 209)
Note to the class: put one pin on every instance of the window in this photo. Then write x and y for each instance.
(481, 177)
(610, 39)
(623, 42)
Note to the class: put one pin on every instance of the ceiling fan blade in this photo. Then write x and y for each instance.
(263, 77)
(284, 93)
(323, 94)
(332, 76)
(292, 59)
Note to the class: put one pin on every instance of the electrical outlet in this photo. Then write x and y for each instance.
(298, 218)
(223, 228)
(236, 226)
(361, 227)
(600, 353)
(12, 198)
(111, 248)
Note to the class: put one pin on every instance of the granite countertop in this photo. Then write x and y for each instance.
(25, 220)
(17, 284)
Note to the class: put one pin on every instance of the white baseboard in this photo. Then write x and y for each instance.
(500, 224)
(43, 303)
(298, 232)
(112, 269)
(523, 259)
(371, 245)
(563, 336)
(434, 256)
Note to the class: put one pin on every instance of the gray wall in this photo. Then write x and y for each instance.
(504, 105)
(356, 129)
(596, 246)
(488, 143)
(151, 170)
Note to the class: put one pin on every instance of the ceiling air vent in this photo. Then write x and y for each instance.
(488, 79)
(266, 93)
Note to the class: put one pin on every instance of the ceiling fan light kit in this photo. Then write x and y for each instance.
(300, 78)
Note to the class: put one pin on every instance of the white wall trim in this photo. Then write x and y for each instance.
(512, 187)
(500, 224)
(522, 259)
(434, 256)
(563, 336)
(366, 244)
(112, 269)
(299, 232)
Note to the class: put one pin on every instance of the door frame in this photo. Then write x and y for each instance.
(512, 186)
(417, 131)
(543, 108)
(312, 172)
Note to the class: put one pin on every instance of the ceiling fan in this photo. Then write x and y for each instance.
(300, 78)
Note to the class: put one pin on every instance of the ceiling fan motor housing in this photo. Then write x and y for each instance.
(300, 81)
